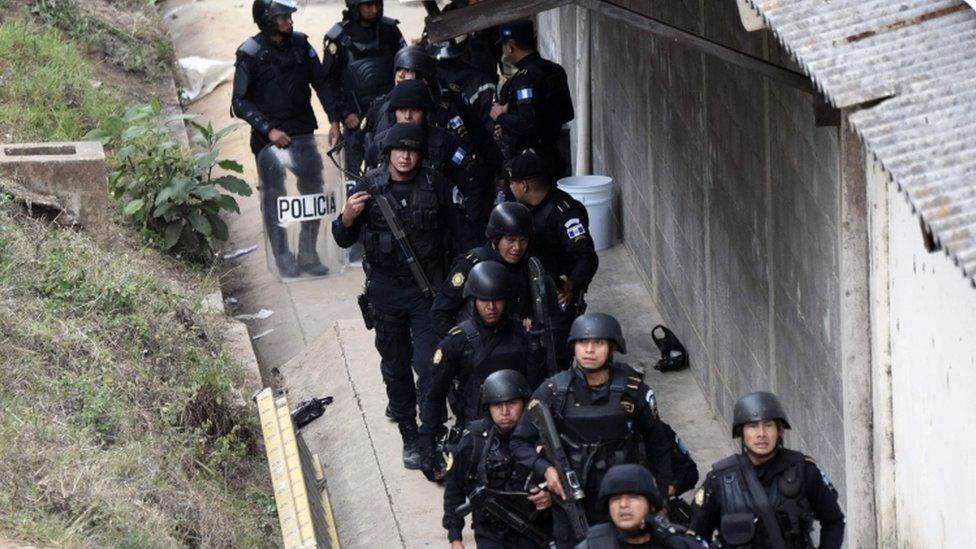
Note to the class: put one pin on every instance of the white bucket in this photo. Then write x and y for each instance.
(596, 193)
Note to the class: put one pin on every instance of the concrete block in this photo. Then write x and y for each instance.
(70, 177)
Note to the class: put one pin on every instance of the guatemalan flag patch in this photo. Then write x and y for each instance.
(459, 155)
(524, 94)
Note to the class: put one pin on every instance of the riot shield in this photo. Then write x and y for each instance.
(300, 196)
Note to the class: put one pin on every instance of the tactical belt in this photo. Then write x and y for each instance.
(398, 281)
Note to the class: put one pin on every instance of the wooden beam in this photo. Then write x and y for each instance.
(490, 13)
(484, 15)
(696, 42)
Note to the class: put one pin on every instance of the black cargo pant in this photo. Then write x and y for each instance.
(406, 341)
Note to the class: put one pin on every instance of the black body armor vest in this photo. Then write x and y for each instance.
(597, 437)
(786, 496)
(420, 221)
(508, 350)
(493, 466)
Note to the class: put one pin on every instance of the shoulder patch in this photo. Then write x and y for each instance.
(438, 356)
(575, 229)
(457, 281)
(651, 400)
(332, 48)
(523, 94)
(700, 497)
(455, 331)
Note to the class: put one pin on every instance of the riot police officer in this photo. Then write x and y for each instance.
(404, 332)
(535, 103)
(560, 237)
(482, 467)
(605, 415)
(766, 495)
(274, 71)
(487, 341)
(508, 232)
(631, 499)
(358, 58)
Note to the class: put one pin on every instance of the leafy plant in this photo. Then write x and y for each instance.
(169, 191)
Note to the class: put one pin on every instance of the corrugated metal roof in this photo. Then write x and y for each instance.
(916, 56)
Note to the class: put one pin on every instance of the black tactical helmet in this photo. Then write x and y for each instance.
(411, 94)
(757, 406)
(416, 59)
(629, 478)
(598, 326)
(453, 48)
(488, 280)
(352, 11)
(509, 219)
(404, 136)
(265, 11)
(504, 385)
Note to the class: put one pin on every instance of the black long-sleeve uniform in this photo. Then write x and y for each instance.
(816, 499)
(272, 87)
(500, 473)
(503, 346)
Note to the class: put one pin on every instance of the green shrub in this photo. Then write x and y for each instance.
(168, 191)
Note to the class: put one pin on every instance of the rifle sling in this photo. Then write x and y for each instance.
(763, 507)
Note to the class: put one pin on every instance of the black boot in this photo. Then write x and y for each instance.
(284, 259)
(308, 258)
(287, 266)
(412, 451)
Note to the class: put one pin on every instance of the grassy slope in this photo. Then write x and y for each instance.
(121, 422)
(120, 419)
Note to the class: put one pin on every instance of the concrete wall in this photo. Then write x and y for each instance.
(730, 203)
(933, 379)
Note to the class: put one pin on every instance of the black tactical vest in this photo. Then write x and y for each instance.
(420, 222)
(785, 494)
(368, 68)
(597, 437)
(508, 349)
(493, 466)
(280, 83)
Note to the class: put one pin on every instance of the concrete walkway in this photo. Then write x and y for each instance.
(319, 346)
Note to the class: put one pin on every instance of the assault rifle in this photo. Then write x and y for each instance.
(572, 505)
(396, 227)
(542, 323)
(487, 500)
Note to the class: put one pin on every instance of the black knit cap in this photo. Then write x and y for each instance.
(411, 94)
(404, 136)
(526, 166)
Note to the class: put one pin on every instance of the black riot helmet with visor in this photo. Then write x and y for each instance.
(266, 12)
